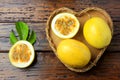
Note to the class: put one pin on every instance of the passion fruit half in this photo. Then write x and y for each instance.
(21, 54)
(65, 25)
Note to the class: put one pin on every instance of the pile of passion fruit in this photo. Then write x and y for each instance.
(79, 38)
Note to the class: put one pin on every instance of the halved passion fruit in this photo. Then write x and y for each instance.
(21, 54)
(65, 25)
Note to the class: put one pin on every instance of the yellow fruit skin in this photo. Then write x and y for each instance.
(97, 32)
(73, 53)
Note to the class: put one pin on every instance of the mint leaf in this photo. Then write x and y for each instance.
(32, 37)
(22, 29)
(13, 38)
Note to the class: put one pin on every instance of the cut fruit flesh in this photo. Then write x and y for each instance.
(21, 54)
(65, 25)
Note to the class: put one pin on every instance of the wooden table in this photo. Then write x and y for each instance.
(46, 65)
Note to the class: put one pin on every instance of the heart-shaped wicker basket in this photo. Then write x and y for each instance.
(82, 17)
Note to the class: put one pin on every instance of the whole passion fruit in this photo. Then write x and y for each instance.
(73, 53)
(97, 32)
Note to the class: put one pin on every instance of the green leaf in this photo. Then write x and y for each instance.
(24, 33)
(32, 37)
(13, 38)
(22, 29)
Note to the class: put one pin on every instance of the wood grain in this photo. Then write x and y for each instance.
(46, 66)
(36, 16)
(42, 43)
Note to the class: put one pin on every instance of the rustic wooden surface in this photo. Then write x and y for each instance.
(46, 66)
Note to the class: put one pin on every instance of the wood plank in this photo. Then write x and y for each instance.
(39, 10)
(47, 67)
(36, 13)
(42, 43)
(115, 43)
